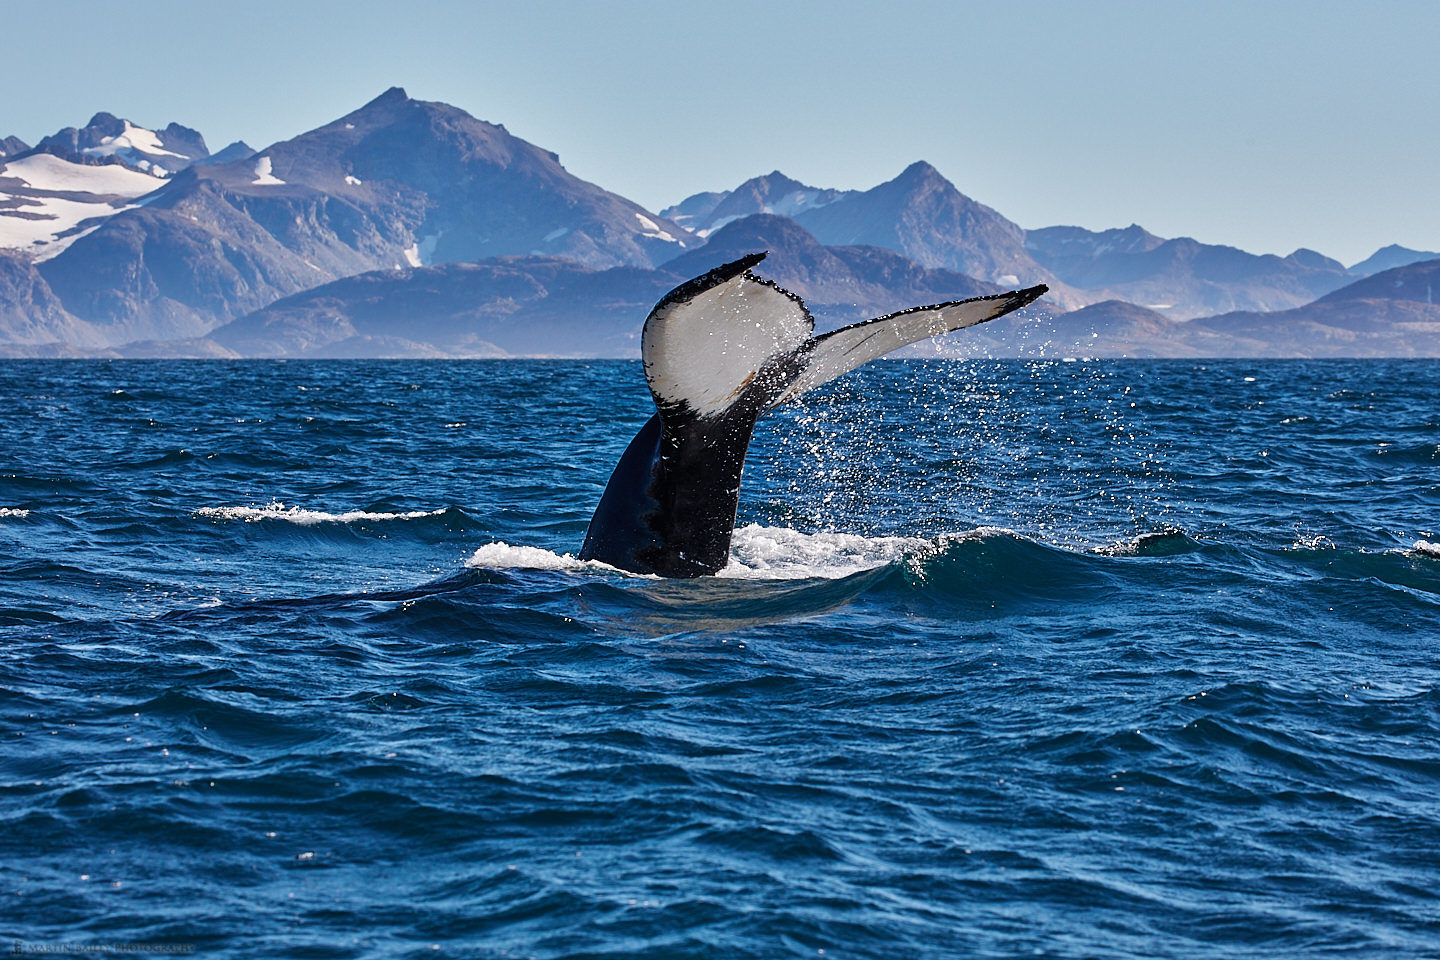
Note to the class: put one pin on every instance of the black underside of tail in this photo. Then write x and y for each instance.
(669, 508)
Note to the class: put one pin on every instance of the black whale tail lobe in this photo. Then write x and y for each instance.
(719, 351)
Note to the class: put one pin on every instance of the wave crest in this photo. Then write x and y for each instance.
(275, 510)
(756, 553)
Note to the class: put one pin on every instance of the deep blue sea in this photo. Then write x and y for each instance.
(1126, 659)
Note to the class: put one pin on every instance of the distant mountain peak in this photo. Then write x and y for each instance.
(921, 171)
(772, 193)
(106, 123)
(391, 96)
(108, 139)
(1389, 257)
(1314, 259)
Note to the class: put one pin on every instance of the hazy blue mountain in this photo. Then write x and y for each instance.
(1418, 282)
(693, 210)
(31, 315)
(533, 305)
(1111, 328)
(1390, 314)
(776, 193)
(239, 150)
(546, 305)
(1389, 257)
(1182, 278)
(840, 284)
(921, 215)
(10, 146)
(1079, 255)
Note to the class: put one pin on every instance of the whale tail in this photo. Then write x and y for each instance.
(719, 351)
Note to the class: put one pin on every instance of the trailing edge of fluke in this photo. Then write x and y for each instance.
(719, 351)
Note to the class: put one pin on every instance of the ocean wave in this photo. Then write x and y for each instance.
(756, 553)
(1160, 543)
(1427, 547)
(275, 510)
(17, 512)
(778, 553)
(504, 556)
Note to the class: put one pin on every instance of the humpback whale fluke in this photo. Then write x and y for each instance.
(719, 351)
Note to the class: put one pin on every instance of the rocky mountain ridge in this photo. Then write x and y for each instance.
(396, 183)
(404, 219)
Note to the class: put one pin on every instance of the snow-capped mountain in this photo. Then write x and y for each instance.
(414, 228)
(775, 193)
(71, 181)
(106, 136)
(395, 184)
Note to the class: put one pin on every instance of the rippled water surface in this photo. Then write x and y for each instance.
(1088, 659)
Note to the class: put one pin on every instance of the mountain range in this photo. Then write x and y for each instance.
(410, 228)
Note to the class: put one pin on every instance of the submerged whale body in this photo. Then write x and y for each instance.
(719, 351)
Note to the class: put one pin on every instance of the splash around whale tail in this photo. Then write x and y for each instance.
(719, 351)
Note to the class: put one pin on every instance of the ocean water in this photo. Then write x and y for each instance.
(1059, 659)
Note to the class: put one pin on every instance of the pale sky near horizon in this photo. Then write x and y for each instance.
(1267, 126)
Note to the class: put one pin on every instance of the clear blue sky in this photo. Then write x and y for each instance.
(1265, 125)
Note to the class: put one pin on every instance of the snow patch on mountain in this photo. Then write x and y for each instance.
(42, 171)
(706, 231)
(133, 146)
(46, 200)
(263, 175)
(421, 253)
(649, 228)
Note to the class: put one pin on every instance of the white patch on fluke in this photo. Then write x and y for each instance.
(276, 510)
(705, 351)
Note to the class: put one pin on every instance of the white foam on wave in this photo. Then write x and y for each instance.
(778, 553)
(276, 510)
(756, 553)
(503, 556)
(1427, 547)
(14, 512)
